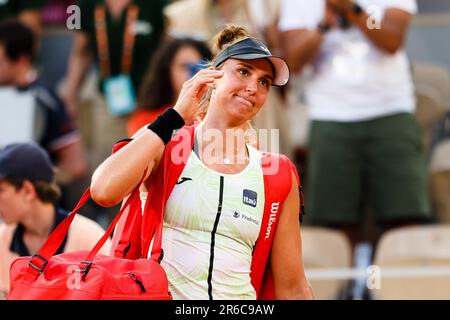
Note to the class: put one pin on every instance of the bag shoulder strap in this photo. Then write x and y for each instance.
(126, 225)
(277, 170)
(134, 233)
(39, 261)
(161, 184)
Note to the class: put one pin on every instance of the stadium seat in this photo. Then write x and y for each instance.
(429, 112)
(324, 248)
(432, 89)
(432, 79)
(439, 180)
(416, 246)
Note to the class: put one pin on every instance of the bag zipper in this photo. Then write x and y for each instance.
(139, 282)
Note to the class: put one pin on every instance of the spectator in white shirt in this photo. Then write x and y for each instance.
(364, 142)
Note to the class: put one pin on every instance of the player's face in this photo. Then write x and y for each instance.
(244, 87)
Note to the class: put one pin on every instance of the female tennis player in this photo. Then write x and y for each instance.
(218, 216)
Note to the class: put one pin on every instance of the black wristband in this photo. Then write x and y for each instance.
(165, 124)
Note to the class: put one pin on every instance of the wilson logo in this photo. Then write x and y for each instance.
(273, 216)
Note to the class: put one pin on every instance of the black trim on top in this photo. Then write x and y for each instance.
(213, 239)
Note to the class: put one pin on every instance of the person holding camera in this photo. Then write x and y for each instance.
(364, 141)
(175, 61)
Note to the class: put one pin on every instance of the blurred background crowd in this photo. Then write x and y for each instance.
(365, 116)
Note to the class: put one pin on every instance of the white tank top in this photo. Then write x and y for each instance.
(211, 223)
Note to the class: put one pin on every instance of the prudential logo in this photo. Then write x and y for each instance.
(273, 216)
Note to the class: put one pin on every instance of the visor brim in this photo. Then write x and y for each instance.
(281, 76)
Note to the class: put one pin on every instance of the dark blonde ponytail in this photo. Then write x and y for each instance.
(228, 36)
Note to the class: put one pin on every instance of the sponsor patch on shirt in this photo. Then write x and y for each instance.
(245, 217)
(249, 197)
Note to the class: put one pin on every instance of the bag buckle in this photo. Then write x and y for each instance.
(85, 270)
(161, 256)
(122, 248)
(36, 267)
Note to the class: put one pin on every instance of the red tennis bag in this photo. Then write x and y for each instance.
(85, 275)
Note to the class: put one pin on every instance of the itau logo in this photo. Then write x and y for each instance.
(249, 198)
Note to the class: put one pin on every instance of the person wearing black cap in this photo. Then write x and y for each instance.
(28, 197)
(215, 218)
